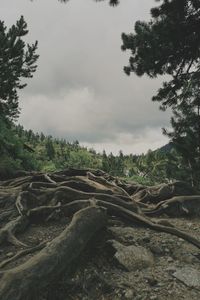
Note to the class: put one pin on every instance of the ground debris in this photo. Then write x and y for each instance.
(133, 255)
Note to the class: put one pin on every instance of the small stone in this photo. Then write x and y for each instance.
(170, 259)
(146, 238)
(160, 284)
(129, 294)
(170, 241)
(156, 249)
(9, 254)
(151, 280)
(153, 297)
(170, 292)
(132, 257)
(171, 269)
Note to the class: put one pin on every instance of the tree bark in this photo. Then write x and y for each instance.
(46, 266)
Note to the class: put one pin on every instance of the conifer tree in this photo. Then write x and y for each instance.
(105, 163)
(169, 44)
(186, 130)
(50, 148)
(17, 61)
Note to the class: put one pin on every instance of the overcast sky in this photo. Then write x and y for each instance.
(79, 91)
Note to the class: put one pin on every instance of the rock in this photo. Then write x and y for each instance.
(9, 254)
(171, 269)
(189, 276)
(154, 297)
(170, 259)
(132, 257)
(156, 249)
(189, 225)
(185, 254)
(129, 294)
(151, 280)
(146, 238)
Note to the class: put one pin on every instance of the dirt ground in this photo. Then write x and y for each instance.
(99, 275)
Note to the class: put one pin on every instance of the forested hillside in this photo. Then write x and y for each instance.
(25, 150)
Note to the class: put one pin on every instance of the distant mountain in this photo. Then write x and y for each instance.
(166, 148)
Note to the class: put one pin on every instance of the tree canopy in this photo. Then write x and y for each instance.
(17, 61)
(169, 44)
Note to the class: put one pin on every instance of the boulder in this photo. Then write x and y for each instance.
(132, 257)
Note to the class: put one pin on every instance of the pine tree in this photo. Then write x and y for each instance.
(50, 148)
(186, 130)
(169, 44)
(105, 163)
(17, 61)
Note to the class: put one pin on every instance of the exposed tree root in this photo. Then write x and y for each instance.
(113, 209)
(41, 212)
(4, 216)
(21, 253)
(155, 194)
(7, 233)
(177, 206)
(125, 214)
(40, 198)
(100, 179)
(54, 258)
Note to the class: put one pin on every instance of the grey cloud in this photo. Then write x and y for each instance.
(79, 90)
